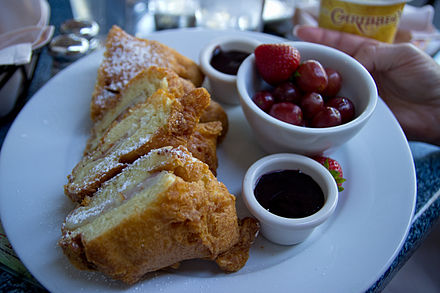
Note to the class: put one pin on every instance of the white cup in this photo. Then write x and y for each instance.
(281, 230)
(222, 86)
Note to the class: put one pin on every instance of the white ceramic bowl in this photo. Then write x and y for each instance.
(223, 87)
(277, 136)
(281, 230)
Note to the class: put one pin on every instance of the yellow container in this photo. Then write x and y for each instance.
(374, 19)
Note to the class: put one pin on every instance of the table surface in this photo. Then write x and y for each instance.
(426, 159)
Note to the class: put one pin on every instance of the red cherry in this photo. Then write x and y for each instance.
(287, 92)
(327, 117)
(264, 100)
(311, 76)
(311, 104)
(334, 83)
(287, 112)
(345, 106)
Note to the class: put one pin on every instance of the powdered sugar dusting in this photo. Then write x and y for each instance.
(129, 56)
(83, 215)
(181, 152)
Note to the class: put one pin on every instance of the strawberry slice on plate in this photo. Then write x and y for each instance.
(334, 167)
(276, 62)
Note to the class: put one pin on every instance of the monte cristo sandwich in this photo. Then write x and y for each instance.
(145, 188)
(163, 208)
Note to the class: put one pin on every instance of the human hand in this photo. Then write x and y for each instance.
(408, 79)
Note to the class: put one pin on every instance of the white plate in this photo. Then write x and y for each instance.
(348, 254)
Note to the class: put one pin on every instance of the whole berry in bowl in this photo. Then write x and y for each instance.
(311, 104)
(287, 92)
(327, 117)
(311, 76)
(276, 62)
(345, 106)
(287, 112)
(264, 100)
(334, 83)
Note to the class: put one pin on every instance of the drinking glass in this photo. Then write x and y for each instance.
(169, 14)
(230, 14)
(125, 13)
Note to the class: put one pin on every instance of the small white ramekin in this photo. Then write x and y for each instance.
(223, 87)
(281, 230)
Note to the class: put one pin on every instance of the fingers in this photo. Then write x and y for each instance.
(362, 49)
(345, 42)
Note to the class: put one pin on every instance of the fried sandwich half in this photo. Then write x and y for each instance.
(164, 208)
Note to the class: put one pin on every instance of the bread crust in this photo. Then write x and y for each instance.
(203, 143)
(215, 112)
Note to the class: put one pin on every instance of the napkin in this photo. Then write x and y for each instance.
(23, 28)
(415, 26)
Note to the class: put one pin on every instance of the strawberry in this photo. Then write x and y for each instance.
(276, 62)
(334, 167)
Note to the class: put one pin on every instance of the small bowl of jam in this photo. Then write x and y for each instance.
(220, 60)
(290, 195)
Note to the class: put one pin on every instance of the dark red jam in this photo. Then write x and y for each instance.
(289, 194)
(227, 62)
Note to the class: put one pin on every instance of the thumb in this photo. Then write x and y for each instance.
(362, 49)
(366, 55)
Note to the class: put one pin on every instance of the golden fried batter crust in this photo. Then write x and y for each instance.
(215, 112)
(203, 143)
(235, 258)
